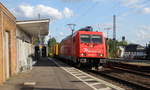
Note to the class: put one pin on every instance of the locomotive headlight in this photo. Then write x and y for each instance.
(100, 54)
(83, 54)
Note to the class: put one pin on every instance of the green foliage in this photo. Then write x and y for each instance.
(122, 43)
(35, 41)
(113, 47)
(51, 43)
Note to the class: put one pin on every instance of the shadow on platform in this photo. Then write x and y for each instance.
(46, 62)
(31, 88)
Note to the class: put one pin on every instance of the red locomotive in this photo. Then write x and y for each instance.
(84, 46)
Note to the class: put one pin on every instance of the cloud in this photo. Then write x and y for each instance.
(76, 1)
(28, 11)
(135, 4)
(143, 34)
(130, 3)
(61, 34)
(99, 0)
(66, 1)
(123, 2)
(68, 13)
(146, 10)
(141, 6)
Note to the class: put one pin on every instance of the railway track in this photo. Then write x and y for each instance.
(133, 79)
(131, 84)
(136, 65)
(132, 71)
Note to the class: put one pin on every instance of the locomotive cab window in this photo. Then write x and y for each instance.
(96, 38)
(85, 38)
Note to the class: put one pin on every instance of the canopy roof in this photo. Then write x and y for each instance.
(35, 27)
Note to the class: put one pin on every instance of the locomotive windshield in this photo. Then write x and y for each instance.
(85, 38)
(91, 38)
(96, 38)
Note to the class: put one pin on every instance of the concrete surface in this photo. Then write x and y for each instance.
(47, 76)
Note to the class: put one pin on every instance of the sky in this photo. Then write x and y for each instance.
(132, 16)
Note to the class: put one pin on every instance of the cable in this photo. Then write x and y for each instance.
(85, 13)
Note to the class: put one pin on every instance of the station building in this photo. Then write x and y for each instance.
(27, 32)
(16, 42)
(134, 51)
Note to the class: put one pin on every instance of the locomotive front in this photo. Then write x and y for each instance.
(92, 47)
(83, 46)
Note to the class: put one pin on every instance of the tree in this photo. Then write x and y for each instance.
(51, 42)
(113, 47)
(122, 43)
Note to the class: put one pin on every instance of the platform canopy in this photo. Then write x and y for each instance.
(35, 27)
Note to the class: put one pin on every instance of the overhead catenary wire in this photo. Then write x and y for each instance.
(85, 13)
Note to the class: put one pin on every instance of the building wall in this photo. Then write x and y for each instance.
(7, 24)
(22, 35)
(24, 51)
(136, 54)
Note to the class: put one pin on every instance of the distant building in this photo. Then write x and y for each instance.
(134, 51)
(148, 51)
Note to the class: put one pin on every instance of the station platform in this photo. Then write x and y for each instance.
(51, 74)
